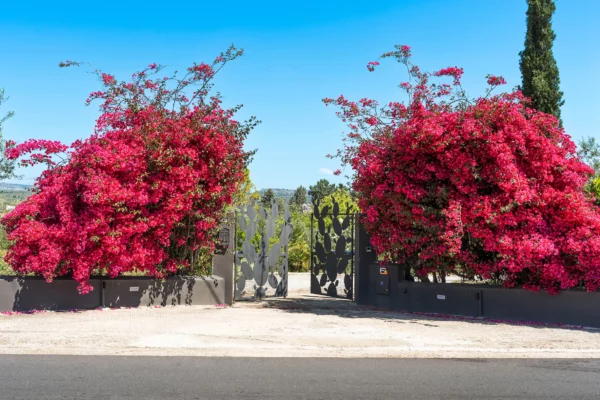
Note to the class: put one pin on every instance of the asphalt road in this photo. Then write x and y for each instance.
(149, 378)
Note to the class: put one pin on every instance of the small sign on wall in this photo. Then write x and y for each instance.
(134, 288)
(383, 271)
(222, 241)
(441, 297)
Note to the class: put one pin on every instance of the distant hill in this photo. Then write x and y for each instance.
(14, 187)
(285, 194)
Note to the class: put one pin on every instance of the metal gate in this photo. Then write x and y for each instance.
(261, 252)
(332, 250)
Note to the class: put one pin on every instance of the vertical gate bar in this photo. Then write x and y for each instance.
(235, 237)
(352, 222)
(286, 247)
(312, 271)
(286, 273)
(235, 252)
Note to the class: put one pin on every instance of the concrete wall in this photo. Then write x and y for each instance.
(33, 293)
(174, 291)
(224, 257)
(364, 254)
(571, 307)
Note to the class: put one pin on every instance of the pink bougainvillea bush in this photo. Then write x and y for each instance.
(486, 188)
(144, 192)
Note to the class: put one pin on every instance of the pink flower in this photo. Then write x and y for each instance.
(495, 80)
(120, 198)
(455, 72)
(371, 65)
(372, 121)
(108, 79)
(488, 186)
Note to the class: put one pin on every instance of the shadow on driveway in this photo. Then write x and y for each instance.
(323, 305)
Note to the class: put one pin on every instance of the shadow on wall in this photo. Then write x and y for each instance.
(136, 292)
(34, 293)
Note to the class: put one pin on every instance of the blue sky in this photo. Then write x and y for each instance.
(296, 53)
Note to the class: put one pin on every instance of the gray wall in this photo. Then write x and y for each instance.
(364, 254)
(223, 259)
(571, 307)
(33, 293)
(206, 290)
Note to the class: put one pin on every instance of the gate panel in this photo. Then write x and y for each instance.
(261, 257)
(332, 251)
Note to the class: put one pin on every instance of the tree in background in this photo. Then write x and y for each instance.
(7, 167)
(589, 152)
(299, 248)
(321, 190)
(267, 197)
(541, 82)
(594, 188)
(246, 192)
(299, 197)
(345, 198)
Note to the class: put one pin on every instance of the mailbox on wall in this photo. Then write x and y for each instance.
(383, 280)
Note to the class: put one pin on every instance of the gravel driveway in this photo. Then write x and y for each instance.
(299, 326)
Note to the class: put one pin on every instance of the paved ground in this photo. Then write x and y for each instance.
(299, 282)
(308, 326)
(153, 378)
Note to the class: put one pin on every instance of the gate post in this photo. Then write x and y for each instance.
(224, 257)
(364, 256)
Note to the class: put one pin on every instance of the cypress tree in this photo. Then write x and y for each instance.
(299, 197)
(539, 71)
